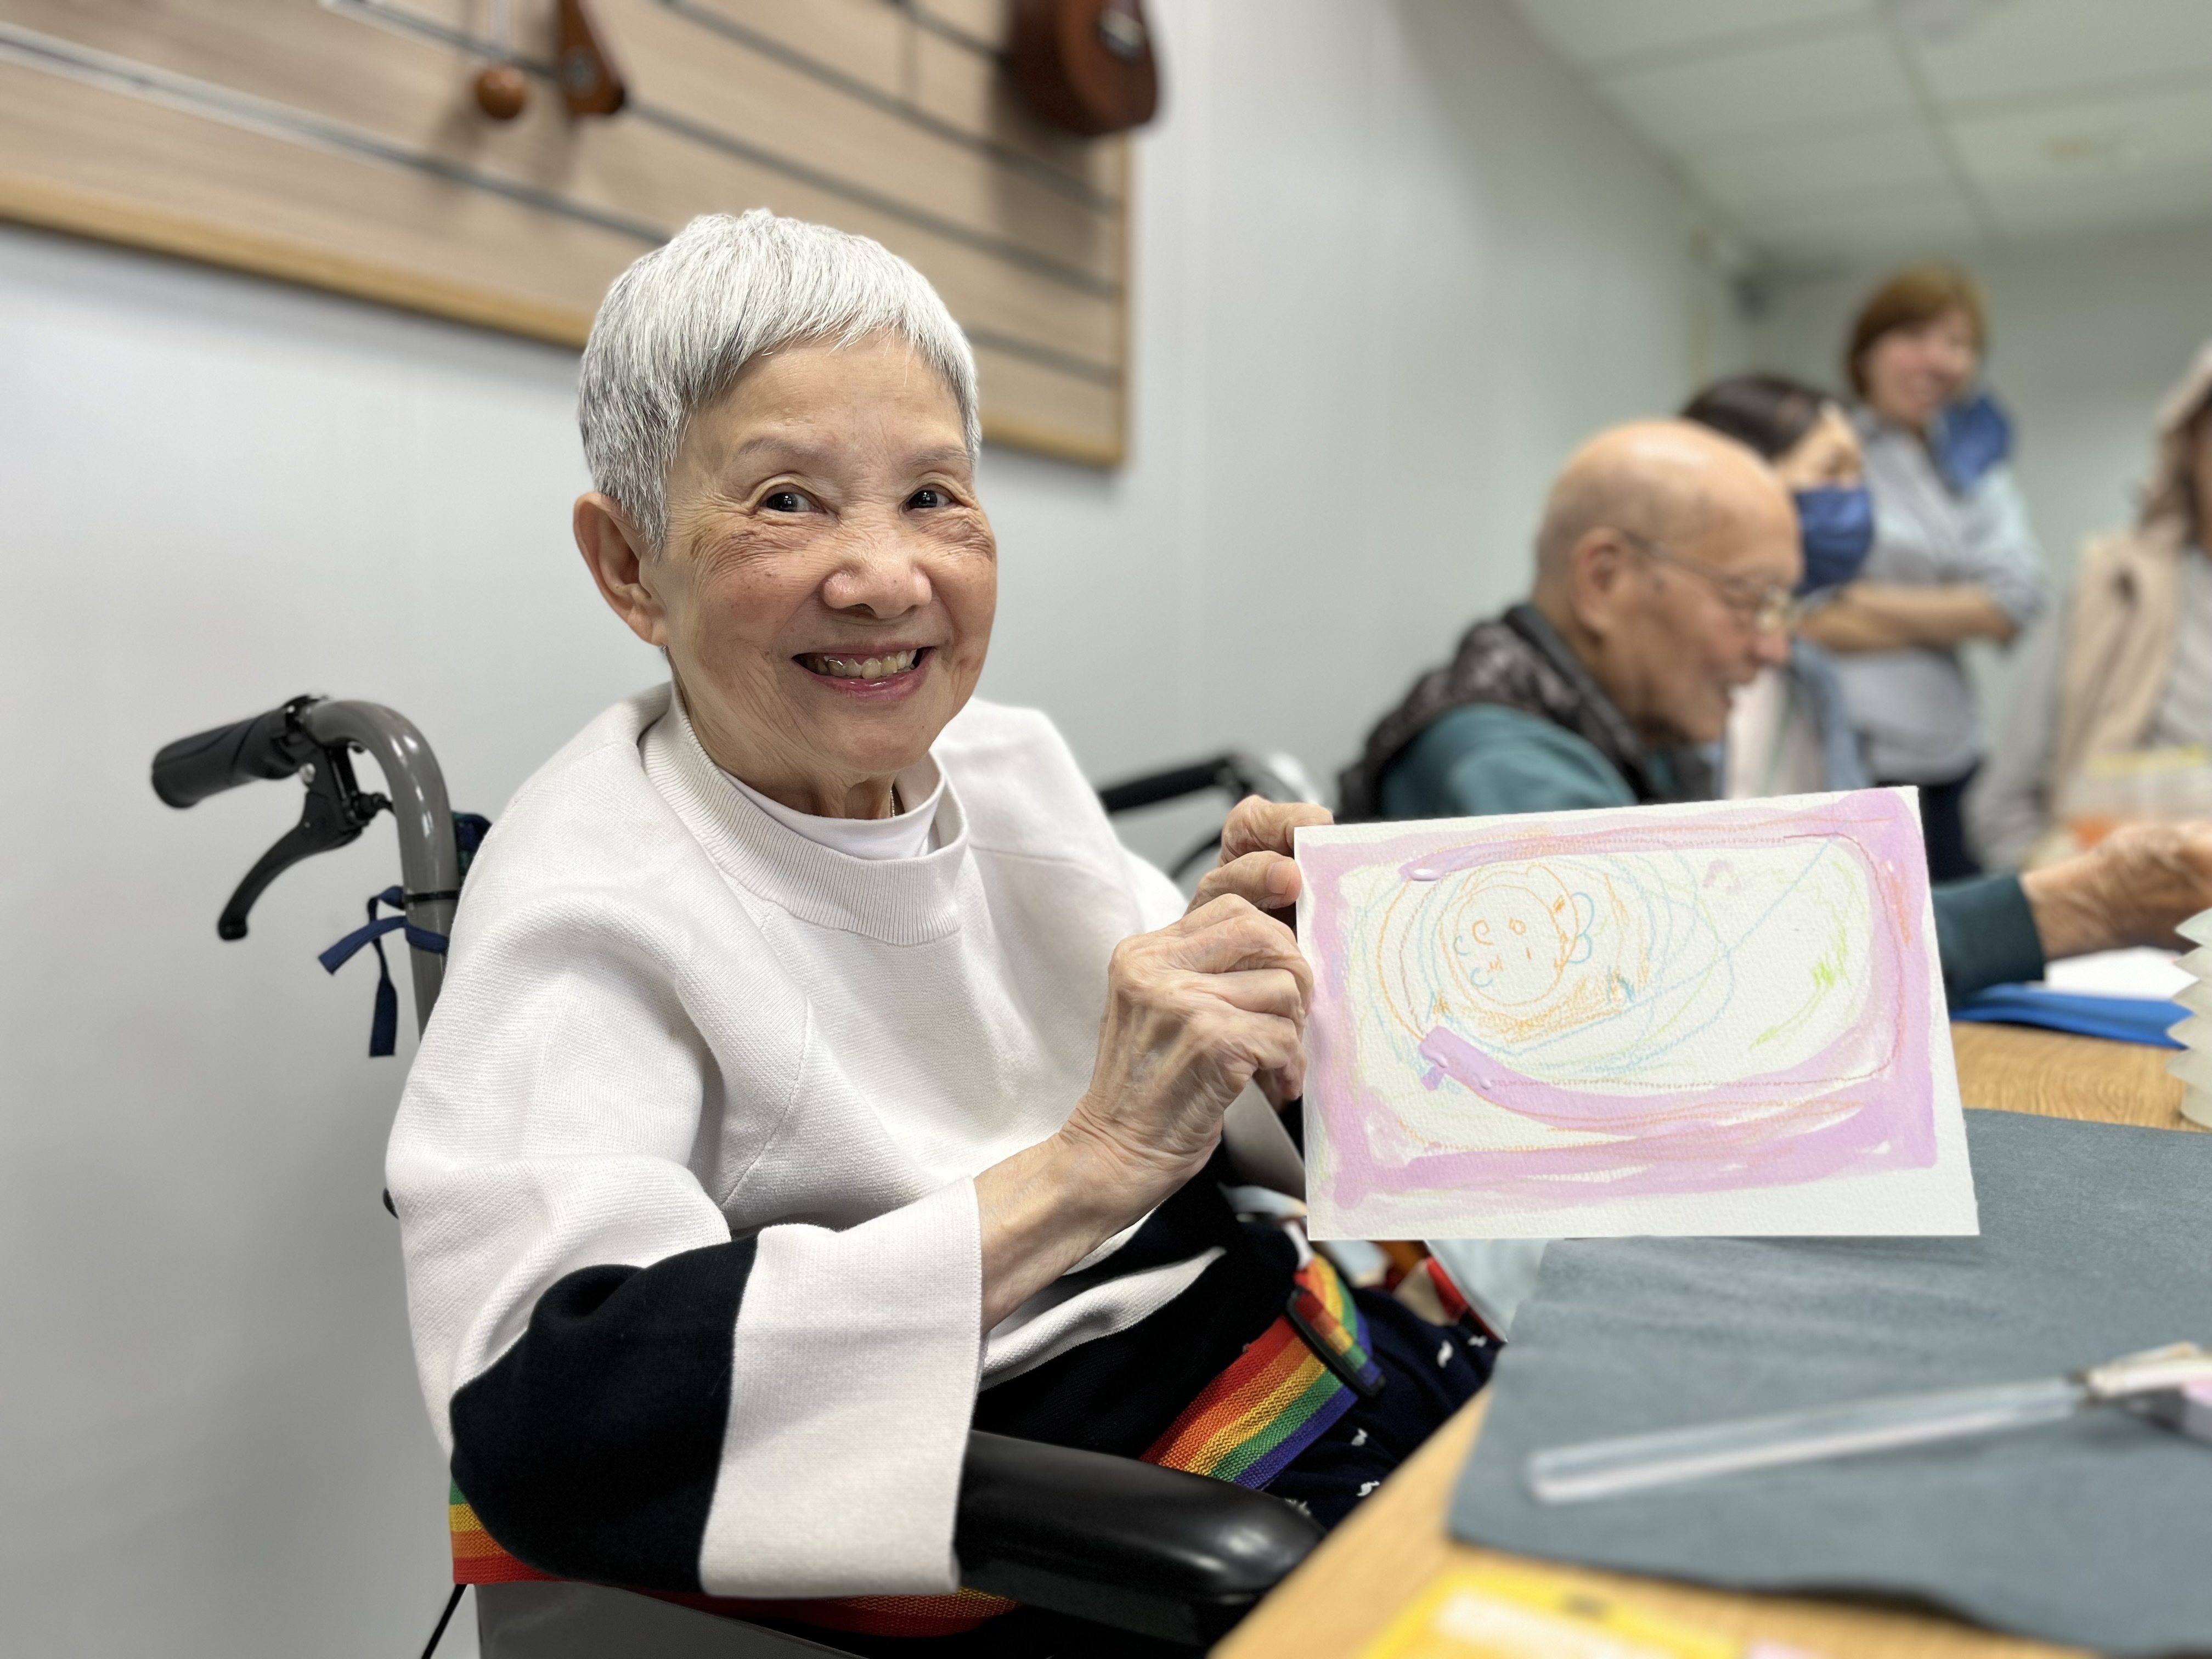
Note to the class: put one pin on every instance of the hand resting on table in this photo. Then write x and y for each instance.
(2135, 887)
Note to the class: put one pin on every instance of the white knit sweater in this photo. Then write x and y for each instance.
(685, 1165)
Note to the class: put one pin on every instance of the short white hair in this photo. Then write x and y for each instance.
(678, 327)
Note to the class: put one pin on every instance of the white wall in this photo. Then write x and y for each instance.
(1391, 264)
(2085, 336)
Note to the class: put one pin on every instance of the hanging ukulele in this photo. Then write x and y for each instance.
(1087, 65)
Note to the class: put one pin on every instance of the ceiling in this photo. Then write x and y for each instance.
(1822, 130)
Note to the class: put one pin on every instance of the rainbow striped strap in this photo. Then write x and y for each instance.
(1245, 1426)
(1280, 1396)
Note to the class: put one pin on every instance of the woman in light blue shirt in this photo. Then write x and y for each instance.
(1954, 558)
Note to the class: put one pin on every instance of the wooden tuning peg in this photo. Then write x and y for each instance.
(501, 91)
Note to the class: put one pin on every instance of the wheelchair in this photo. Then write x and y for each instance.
(1111, 1555)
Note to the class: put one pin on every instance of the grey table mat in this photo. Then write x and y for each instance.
(2096, 1241)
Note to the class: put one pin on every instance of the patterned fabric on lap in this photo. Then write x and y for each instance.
(1279, 1397)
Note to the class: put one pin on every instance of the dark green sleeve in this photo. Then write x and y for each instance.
(1985, 934)
(1484, 760)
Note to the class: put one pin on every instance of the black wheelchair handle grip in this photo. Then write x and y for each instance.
(189, 770)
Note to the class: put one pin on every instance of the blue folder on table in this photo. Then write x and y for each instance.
(2123, 1019)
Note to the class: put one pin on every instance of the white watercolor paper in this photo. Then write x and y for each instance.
(1719, 1018)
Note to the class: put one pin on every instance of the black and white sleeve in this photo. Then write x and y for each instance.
(628, 1393)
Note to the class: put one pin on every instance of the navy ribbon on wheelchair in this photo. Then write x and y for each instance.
(384, 1025)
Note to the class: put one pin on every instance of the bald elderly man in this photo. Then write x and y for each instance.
(1665, 567)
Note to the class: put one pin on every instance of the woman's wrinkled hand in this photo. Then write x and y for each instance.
(1193, 1014)
(1256, 854)
(2134, 887)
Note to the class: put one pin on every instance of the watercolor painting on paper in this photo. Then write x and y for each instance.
(1717, 1018)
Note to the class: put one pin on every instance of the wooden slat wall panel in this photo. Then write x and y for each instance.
(338, 144)
(985, 20)
(128, 149)
(1057, 413)
(406, 88)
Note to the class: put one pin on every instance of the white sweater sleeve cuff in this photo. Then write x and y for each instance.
(853, 1373)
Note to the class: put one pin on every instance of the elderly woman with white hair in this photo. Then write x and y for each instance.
(816, 1075)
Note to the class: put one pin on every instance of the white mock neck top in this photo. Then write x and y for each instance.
(905, 835)
(685, 1167)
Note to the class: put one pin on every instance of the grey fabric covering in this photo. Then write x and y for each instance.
(2096, 1241)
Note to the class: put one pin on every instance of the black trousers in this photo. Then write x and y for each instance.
(1943, 826)
(1429, 1372)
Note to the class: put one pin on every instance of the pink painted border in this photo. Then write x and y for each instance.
(1691, 1141)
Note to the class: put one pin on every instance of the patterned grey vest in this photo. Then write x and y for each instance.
(1519, 661)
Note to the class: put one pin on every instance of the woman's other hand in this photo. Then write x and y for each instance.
(1194, 1012)
(1257, 863)
(2134, 887)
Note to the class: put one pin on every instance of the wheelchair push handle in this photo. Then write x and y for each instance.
(266, 746)
(313, 739)
(1236, 774)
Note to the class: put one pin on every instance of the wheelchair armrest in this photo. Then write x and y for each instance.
(1119, 1542)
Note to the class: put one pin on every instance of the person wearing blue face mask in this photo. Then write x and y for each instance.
(1789, 731)
(1837, 524)
(1954, 558)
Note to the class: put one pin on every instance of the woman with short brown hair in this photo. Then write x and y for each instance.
(1954, 560)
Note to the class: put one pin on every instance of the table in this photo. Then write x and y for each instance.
(2013, 1069)
(1375, 1564)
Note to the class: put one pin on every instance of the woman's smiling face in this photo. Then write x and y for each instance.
(828, 581)
(1912, 372)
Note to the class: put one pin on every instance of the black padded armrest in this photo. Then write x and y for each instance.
(1120, 1542)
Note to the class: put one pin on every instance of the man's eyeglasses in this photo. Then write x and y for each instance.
(1768, 607)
